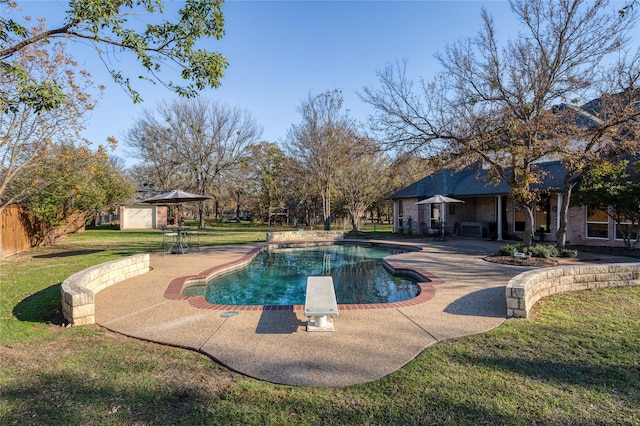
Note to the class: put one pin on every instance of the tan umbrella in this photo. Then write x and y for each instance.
(439, 199)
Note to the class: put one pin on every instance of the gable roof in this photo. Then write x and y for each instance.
(472, 182)
(145, 192)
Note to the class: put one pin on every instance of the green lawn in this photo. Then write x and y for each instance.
(576, 362)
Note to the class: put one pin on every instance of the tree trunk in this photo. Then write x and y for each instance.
(527, 210)
(354, 224)
(201, 214)
(563, 214)
(237, 207)
(326, 209)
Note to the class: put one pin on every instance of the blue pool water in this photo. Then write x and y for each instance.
(279, 277)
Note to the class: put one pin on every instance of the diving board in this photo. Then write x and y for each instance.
(320, 303)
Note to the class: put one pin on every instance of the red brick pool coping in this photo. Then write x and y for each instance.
(175, 288)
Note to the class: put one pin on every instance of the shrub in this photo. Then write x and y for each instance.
(568, 253)
(542, 250)
(511, 249)
(538, 250)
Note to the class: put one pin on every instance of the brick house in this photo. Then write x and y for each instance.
(486, 205)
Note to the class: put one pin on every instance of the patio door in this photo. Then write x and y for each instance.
(541, 216)
(435, 216)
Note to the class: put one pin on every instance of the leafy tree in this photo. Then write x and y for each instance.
(79, 182)
(268, 167)
(29, 133)
(493, 102)
(615, 185)
(108, 26)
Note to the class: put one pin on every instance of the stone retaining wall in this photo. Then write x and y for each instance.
(524, 290)
(304, 236)
(79, 290)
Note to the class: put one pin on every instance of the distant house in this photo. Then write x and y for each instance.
(489, 212)
(134, 214)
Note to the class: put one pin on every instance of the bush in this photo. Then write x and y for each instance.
(538, 250)
(511, 249)
(568, 253)
(545, 251)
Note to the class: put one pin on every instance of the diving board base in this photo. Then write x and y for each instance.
(320, 303)
(322, 323)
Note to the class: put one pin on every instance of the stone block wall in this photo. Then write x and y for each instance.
(304, 236)
(79, 290)
(524, 290)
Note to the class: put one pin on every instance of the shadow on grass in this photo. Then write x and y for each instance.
(619, 379)
(67, 254)
(69, 399)
(43, 306)
(66, 399)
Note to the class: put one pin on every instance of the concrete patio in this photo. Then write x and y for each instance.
(273, 345)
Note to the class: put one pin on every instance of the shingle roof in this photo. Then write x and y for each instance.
(144, 193)
(473, 181)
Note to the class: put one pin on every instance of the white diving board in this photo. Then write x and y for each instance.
(320, 303)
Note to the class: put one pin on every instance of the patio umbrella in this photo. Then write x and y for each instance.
(439, 199)
(176, 197)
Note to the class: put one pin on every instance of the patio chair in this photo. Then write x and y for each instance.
(193, 239)
(169, 239)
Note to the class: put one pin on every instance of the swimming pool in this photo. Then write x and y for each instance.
(278, 277)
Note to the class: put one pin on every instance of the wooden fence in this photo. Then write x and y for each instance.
(19, 232)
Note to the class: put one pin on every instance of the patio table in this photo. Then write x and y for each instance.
(179, 244)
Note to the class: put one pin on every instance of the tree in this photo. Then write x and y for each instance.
(361, 180)
(599, 131)
(150, 137)
(493, 103)
(615, 185)
(628, 7)
(319, 145)
(28, 133)
(107, 25)
(268, 167)
(79, 182)
(197, 138)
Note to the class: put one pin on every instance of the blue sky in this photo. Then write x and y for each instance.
(280, 51)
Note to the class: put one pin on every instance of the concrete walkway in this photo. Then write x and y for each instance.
(274, 346)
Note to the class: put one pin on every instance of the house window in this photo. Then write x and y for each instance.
(597, 223)
(400, 214)
(625, 226)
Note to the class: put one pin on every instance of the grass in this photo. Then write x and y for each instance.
(576, 362)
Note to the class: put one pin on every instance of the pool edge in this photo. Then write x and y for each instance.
(176, 286)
